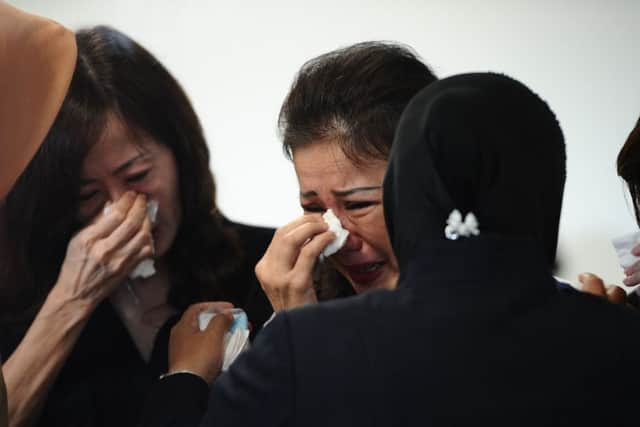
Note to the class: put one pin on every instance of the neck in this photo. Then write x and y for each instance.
(142, 306)
(145, 300)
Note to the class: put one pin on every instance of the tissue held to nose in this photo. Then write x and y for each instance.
(146, 268)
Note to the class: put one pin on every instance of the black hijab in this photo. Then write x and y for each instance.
(481, 143)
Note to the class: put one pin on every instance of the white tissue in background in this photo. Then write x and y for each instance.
(624, 245)
(146, 268)
(234, 342)
(341, 234)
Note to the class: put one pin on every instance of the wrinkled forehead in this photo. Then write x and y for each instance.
(322, 167)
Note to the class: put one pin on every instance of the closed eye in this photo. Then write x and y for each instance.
(87, 196)
(311, 208)
(358, 205)
(137, 177)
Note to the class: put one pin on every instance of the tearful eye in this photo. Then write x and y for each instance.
(357, 205)
(87, 196)
(313, 208)
(137, 177)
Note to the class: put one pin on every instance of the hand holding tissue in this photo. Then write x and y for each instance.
(341, 234)
(236, 340)
(146, 268)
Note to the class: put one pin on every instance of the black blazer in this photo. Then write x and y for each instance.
(488, 341)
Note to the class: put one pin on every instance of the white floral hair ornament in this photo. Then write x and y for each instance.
(456, 227)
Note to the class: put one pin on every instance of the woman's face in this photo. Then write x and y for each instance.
(122, 161)
(329, 180)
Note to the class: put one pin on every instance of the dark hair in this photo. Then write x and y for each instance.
(629, 167)
(114, 75)
(355, 96)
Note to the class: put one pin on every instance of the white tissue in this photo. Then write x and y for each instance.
(624, 245)
(341, 234)
(235, 341)
(146, 267)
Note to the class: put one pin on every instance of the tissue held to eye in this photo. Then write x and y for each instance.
(341, 234)
(329, 179)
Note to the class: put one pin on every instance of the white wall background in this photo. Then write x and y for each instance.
(236, 60)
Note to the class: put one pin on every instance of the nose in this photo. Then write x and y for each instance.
(354, 241)
(116, 191)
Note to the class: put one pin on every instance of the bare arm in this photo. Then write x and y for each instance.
(3, 402)
(285, 271)
(36, 362)
(97, 260)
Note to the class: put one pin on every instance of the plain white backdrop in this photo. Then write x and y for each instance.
(236, 61)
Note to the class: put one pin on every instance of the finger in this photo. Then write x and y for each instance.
(616, 294)
(124, 259)
(189, 318)
(592, 284)
(214, 306)
(218, 326)
(297, 238)
(636, 250)
(195, 309)
(632, 268)
(105, 223)
(131, 225)
(632, 280)
(310, 253)
(304, 219)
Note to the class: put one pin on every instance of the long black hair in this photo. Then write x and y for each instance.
(113, 75)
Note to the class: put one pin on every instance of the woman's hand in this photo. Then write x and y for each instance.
(592, 284)
(196, 351)
(98, 258)
(102, 254)
(632, 272)
(286, 269)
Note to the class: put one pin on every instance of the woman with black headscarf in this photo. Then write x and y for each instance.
(475, 333)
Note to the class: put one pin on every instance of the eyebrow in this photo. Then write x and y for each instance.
(119, 169)
(128, 163)
(342, 193)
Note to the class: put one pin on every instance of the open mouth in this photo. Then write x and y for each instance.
(366, 273)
